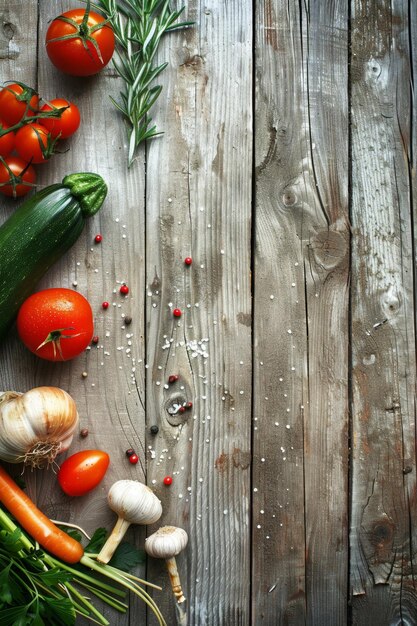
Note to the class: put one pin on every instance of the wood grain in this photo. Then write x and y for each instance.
(300, 324)
(383, 343)
(199, 205)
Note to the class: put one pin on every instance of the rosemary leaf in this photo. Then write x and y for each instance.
(139, 26)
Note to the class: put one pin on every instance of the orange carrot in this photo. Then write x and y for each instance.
(36, 524)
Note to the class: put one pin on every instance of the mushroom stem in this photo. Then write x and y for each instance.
(113, 540)
(175, 579)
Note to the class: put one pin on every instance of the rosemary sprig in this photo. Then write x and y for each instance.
(139, 26)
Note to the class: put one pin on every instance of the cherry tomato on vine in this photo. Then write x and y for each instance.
(80, 42)
(34, 143)
(56, 324)
(17, 177)
(65, 125)
(16, 101)
(83, 471)
(6, 141)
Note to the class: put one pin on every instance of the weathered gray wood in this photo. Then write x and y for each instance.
(301, 296)
(383, 343)
(198, 205)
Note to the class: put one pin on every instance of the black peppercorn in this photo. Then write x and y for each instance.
(154, 430)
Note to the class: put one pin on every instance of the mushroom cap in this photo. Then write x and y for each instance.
(134, 502)
(166, 542)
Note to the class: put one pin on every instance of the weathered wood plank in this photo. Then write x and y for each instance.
(198, 205)
(301, 333)
(383, 524)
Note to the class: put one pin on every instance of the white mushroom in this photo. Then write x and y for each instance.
(134, 503)
(166, 543)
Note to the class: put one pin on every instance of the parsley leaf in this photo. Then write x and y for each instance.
(97, 541)
(5, 591)
(126, 557)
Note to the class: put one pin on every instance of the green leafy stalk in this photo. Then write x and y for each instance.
(139, 26)
(36, 586)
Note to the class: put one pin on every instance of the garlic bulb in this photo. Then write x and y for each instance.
(37, 425)
(134, 503)
(166, 542)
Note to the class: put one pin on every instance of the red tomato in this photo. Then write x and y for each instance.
(83, 471)
(33, 143)
(16, 101)
(89, 47)
(17, 177)
(66, 125)
(6, 141)
(56, 324)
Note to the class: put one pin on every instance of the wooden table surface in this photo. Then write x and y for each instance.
(287, 172)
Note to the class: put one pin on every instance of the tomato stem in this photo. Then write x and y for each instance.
(15, 179)
(54, 337)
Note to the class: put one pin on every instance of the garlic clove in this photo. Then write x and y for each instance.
(135, 502)
(166, 542)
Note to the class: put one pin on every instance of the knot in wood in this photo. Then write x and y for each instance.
(390, 302)
(176, 417)
(382, 534)
(330, 249)
(289, 198)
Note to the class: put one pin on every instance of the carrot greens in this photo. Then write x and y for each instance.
(139, 26)
(37, 589)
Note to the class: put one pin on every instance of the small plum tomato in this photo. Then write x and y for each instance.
(17, 101)
(56, 324)
(17, 177)
(80, 42)
(67, 123)
(6, 140)
(33, 143)
(83, 471)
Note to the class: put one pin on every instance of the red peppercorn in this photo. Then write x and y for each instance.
(133, 459)
(129, 452)
(168, 480)
(181, 409)
(105, 305)
(173, 378)
(124, 290)
(189, 405)
(95, 339)
(98, 239)
(188, 260)
(176, 313)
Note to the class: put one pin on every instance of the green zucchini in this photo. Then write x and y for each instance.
(38, 233)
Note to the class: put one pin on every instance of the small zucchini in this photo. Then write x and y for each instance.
(38, 233)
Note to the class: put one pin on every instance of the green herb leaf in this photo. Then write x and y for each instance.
(54, 576)
(10, 617)
(5, 591)
(126, 557)
(11, 540)
(60, 612)
(97, 541)
(139, 26)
